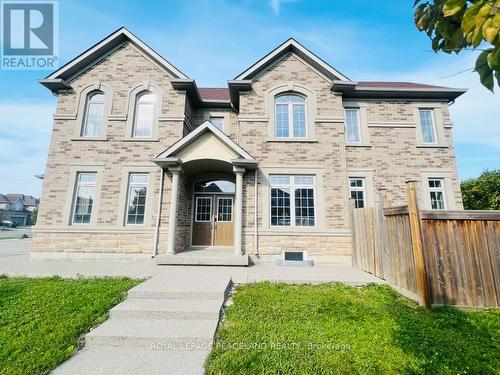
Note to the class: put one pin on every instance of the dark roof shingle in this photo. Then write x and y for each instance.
(214, 93)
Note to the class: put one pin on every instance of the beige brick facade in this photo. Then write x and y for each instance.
(389, 155)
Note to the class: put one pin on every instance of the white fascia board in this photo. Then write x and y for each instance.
(198, 131)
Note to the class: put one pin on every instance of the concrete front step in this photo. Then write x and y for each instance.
(181, 259)
(185, 309)
(144, 333)
(173, 295)
(133, 361)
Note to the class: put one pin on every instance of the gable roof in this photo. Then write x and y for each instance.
(60, 78)
(207, 126)
(291, 46)
(27, 200)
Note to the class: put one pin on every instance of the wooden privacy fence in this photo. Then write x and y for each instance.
(444, 257)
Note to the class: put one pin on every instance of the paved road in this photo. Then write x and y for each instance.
(14, 232)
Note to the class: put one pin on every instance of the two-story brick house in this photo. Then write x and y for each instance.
(145, 163)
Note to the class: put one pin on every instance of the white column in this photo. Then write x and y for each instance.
(238, 210)
(174, 200)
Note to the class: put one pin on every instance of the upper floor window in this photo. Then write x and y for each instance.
(94, 115)
(292, 200)
(352, 125)
(84, 197)
(218, 122)
(437, 193)
(427, 126)
(290, 112)
(144, 115)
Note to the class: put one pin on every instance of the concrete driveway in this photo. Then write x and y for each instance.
(14, 232)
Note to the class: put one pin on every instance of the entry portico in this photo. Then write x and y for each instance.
(213, 166)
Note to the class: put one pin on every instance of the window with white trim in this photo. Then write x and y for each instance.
(427, 126)
(144, 114)
(84, 197)
(136, 200)
(218, 122)
(290, 116)
(352, 125)
(357, 191)
(292, 201)
(94, 115)
(437, 193)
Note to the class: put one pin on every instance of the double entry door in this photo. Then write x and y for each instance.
(213, 220)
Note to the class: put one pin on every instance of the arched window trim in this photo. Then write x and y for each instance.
(296, 110)
(310, 111)
(133, 97)
(91, 100)
(141, 102)
(81, 110)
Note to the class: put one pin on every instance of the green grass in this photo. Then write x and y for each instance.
(42, 319)
(335, 329)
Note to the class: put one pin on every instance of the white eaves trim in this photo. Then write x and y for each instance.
(122, 31)
(206, 126)
(290, 43)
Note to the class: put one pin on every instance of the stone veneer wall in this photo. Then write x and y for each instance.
(392, 155)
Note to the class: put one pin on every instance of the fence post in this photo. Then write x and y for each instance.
(416, 242)
(383, 253)
(354, 257)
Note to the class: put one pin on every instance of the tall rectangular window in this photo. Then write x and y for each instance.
(437, 193)
(292, 200)
(357, 191)
(352, 125)
(94, 115)
(290, 116)
(137, 192)
(84, 197)
(427, 126)
(218, 122)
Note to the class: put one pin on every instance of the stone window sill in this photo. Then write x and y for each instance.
(141, 139)
(292, 140)
(358, 145)
(89, 139)
(424, 145)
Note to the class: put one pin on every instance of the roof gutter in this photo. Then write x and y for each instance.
(353, 90)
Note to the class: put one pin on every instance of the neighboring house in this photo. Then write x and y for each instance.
(143, 161)
(17, 208)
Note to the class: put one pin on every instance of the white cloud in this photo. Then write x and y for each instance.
(24, 140)
(276, 5)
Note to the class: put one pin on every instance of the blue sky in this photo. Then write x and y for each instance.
(213, 41)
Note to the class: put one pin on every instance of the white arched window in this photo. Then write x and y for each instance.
(144, 115)
(94, 115)
(290, 116)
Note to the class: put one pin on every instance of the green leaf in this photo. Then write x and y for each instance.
(494, 59)
(497, 75)
(469, 18)
(489, 30)
(452, 7)
(485, 73)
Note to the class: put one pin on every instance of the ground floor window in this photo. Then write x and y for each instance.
(357, 191)
(437, 194)
(292, 200)
(137, 192)
(84, 197)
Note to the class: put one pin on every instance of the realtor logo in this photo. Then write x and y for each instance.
(29, 35)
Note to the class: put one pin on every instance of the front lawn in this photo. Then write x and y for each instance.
(275, 328)
(41, 319)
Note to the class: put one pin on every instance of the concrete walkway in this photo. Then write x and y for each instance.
(165, 326)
